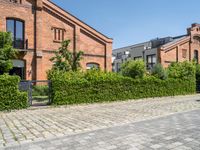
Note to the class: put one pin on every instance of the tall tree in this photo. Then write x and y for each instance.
(7, 52)
(65, 60)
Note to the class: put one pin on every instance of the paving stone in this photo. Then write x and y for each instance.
(28, 126)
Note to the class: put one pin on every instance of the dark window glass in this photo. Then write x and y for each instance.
(196, 56)
(92, 65)
(151, 61)
(10, 27)
(19, 40)
(58, 34)
(16, 27)
(119, 55)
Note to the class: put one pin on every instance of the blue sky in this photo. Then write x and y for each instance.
(133, 21)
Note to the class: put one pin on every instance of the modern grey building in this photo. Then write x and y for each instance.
(147, 51)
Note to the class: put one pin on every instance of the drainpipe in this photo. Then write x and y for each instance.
(190, 49)
(35, 42)
(38, 39)
(143, 55)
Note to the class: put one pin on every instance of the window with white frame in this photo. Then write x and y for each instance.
(151, 61)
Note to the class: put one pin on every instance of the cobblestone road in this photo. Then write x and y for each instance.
(27, 126)
(176, 132)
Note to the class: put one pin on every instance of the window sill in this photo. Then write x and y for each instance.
(56, 41)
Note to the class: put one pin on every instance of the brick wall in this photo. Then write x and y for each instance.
(39, 30)
(182, 50)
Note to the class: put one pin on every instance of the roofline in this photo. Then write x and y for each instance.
(149, 41)
(131, 45)
(166, 47)
(78, 19)
(176, 37)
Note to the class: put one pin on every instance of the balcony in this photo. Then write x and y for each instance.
(20, 45)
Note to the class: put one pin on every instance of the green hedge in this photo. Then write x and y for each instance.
(109, 87)
(40, 90)
(10, 96)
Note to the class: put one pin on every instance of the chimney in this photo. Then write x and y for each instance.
(194, 27)
(195, 24)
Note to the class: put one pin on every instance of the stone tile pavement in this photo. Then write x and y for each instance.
(27, 126)
(180, 131)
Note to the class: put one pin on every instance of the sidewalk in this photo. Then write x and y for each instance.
(26, 126)
(180, 131)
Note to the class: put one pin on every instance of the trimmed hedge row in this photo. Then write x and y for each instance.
(10, 96)
(40, 90)
(66, 92)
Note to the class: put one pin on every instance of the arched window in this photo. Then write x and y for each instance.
(196, 56)
(92, 65)
(16, 27)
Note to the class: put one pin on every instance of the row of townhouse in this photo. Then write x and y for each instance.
(162, 50)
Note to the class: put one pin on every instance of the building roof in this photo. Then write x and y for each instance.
(176, 39)
(78, 21)
(157, 42)
(131, 46)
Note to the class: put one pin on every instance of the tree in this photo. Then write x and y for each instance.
(65, 60)
(7, 52)
(133, 68)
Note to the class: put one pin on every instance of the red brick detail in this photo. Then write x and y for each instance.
(174, 53)
(41, 44)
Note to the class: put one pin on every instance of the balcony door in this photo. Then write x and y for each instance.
(16, 27)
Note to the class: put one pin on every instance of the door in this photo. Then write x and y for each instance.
(18, 68)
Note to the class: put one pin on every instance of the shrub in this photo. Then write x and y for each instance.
(184, 70)
(133, 69)
(95, 75)
(159, 72)
(67, 76)
(198, 72)
(94, 86)
(10, 96)
(198, 77)
(40, 90)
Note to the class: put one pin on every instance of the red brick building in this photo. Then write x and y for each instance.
(185, 48)
(39, 27)
(162, 50)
